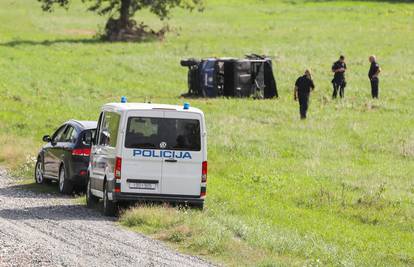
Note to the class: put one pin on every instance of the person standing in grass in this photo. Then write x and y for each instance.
(338, 82)
(303, 86)
(373, 73)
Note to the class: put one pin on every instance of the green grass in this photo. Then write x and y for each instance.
(337, 189)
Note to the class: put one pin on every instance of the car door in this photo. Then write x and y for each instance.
(181, 173)
(64, 152)
(58, 150)
(141, 158)
(208, 77)
(104, 151)
(49, 158)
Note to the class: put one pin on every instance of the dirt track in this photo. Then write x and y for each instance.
(49, 230)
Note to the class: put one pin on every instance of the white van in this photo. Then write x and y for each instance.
(148, 152)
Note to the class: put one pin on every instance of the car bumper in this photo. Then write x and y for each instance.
(158, 198)
(79, 171)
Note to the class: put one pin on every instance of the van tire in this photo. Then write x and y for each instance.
(198, 206)
(109, 207)
(64, 185)
(91, 200)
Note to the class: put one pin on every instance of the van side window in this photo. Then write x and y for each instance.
(98, 129)
(163, 133)
(109, 129)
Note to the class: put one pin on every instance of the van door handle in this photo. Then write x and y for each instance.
(171, 160)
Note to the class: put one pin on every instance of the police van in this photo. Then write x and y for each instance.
(149, 152)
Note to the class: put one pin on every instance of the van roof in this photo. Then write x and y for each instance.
(147, 106)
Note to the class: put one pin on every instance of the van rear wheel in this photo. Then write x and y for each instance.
(91, 200)
(198, 206)
(109, 207)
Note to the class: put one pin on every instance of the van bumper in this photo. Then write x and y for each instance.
(160, 198)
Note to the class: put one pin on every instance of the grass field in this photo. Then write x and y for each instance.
(337, 189)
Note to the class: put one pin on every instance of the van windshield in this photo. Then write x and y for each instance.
(163, 133)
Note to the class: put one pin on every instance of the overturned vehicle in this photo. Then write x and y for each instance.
(231, 77)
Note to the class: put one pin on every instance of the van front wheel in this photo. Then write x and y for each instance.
(109, 207)
(91, 200)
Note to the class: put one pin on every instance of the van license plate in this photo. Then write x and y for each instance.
(142, 186)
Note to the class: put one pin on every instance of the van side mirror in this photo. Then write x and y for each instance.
(47, 138)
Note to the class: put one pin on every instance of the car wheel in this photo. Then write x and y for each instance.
(65, 187)
(109, 207)
(39, 172)
(91, 200)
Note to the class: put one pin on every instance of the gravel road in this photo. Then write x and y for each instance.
(50, 230)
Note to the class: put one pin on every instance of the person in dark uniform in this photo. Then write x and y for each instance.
(338, 82)
(303, 86)
(373, 73)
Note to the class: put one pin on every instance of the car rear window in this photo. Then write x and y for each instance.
(88, 136)
(163, 133)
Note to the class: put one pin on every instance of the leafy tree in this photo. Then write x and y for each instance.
(120, 24)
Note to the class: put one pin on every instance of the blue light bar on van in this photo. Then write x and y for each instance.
(186, 105)
(123, 99)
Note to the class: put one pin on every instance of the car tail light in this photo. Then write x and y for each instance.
(118, 165)
(204, 172)
(81, 152)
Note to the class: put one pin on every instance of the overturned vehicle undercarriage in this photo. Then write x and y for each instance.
(248, 77)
